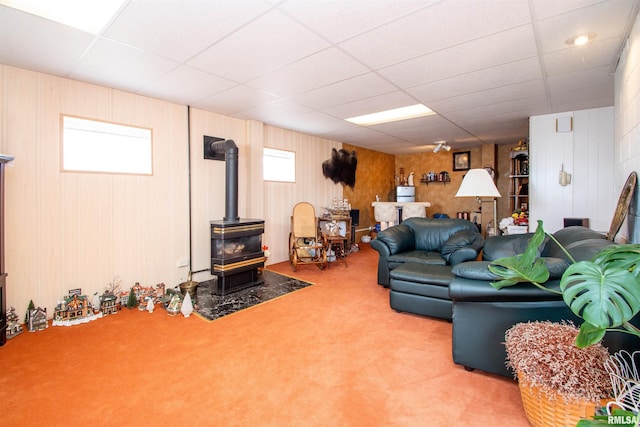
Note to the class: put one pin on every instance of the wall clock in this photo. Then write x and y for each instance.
(492, 172)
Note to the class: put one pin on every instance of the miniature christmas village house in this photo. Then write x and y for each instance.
(37, 319)
(143, 293)
(13, 323)
(108, 303)
(74, 309)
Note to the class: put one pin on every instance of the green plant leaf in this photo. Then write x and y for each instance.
(626, 257)
(589, 335)
(527, 267)
(604, 296)
(514, 270)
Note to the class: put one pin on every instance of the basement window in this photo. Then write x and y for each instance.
(98, 146)
(278, 165)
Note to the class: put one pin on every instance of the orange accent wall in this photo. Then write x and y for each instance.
(374, 176)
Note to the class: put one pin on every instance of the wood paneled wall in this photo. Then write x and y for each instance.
(80, 230)
(310, 186)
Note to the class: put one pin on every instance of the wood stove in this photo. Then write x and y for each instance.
(236, 244)
(236, 254)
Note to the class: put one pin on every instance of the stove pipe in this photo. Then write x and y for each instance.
(227, 151)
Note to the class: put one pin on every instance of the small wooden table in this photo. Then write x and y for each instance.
(339, 246)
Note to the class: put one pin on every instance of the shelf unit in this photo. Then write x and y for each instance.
(519, 181)
(423, 181)
(436, 178)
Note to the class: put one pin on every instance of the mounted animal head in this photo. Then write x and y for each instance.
(341, 167)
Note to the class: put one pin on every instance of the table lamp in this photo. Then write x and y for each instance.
(478, 183)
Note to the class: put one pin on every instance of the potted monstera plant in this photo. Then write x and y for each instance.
(604, 292)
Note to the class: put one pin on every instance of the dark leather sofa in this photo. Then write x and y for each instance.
(415, 261)
(482, 314)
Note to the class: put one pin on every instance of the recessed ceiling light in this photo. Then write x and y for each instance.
(581, 39)
(89, 16)
(394, 115)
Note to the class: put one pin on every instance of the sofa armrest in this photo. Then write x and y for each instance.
(497, 247)
(391, 241)
(398, 238)
(383, 261)
(464, 245)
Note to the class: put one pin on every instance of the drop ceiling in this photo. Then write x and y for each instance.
(484, 66)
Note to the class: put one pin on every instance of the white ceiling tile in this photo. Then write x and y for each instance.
(312, 122)
(180, 29)
(234, 100)
(266, 44)
(583, 98)
(356, 16)
(509, 46)
(185, 85)
(116, 65)
(500, 75)
(499, 124)
(315, 71)
(430, 134)
(353, 89)
(580, 79)
(516, 108)
(278, 112)
(523, 90)
(22, 45)
(545, 8)
(440, 26)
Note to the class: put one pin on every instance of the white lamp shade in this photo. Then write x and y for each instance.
(477, 183)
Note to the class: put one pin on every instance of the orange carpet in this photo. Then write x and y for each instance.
(333, 354)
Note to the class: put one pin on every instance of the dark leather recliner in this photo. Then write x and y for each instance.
(416, 258)
(482, 314)
(443, 241)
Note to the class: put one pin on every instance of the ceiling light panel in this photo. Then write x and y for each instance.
(394, 115)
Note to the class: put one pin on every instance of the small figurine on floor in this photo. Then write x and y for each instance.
(187, 306)
(150, 305)
(14, 327)
(175, 304)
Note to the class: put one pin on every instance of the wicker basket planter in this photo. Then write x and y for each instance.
(543, 410)
(559, 383)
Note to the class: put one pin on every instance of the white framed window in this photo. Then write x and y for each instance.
(278, 165)
(99, 146)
